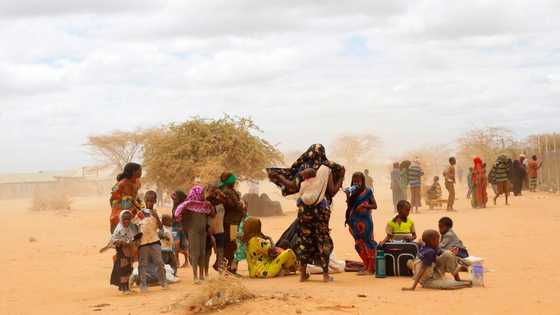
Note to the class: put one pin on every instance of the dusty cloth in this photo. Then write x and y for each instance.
(167, 240)
(502, 188)
(195, 203)
(533, 169)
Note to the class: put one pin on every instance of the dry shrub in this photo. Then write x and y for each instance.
(43, 201)
(216, 294)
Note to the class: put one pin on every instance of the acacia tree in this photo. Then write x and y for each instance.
(487, 143)
(199, 148)
(355, 150)
(119, 147)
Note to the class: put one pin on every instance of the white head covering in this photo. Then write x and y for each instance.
(122, 233)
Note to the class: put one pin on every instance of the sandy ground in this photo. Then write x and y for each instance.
(63, 273)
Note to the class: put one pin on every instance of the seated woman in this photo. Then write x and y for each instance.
(264, 260)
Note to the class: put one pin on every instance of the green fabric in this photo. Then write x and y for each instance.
(229, 181)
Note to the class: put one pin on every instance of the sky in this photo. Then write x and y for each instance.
(414, 73)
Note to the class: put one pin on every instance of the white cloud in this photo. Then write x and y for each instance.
(304, 72)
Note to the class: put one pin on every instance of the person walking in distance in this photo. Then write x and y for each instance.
(449, 176)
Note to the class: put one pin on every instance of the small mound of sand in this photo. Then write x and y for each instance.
(217, 294)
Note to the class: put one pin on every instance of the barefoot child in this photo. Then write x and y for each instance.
(167, 242)
(122, 240)
(150, 245)
(432, 264)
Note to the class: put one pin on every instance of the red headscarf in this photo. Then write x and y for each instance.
(478, 170)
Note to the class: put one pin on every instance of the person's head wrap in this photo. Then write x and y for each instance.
(230, 180)
(251, 228)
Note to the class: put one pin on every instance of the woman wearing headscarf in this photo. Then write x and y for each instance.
(124, 195)
(265, 260)
(360, 201)
(317, 180)
(235, 211)
(479, 196)
(194, 215)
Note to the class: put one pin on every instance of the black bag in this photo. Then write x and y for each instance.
(397, 254)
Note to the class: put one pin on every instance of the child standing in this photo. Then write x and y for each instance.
(122, 240)
(401, 227)
(167, 243)
(432, 264)
(150, 245)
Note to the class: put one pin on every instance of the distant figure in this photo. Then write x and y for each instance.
(404, 179)
(518, 174)
(480, 184)
(434, 192)
(396, 185)
(500, 177)
(460, 173)
(449, 176)
(415, 174)
(469, 183)
(369, 180)
(179, 236)
(533, 171)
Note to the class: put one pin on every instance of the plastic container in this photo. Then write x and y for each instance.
(477, 274)
(380, 271)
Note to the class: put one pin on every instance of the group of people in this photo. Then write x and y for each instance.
(505, 176)
(213, 217)
(407, 175)
(210, 217)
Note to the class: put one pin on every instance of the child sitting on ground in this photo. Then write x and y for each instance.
(449, 240)
(401, 227)
(123, 241)
(150, 245)
(431, 265)
(167, 242)
(434, 193)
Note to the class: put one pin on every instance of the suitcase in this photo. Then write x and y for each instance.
(396, 256)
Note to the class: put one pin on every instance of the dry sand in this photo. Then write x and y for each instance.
(60, 271)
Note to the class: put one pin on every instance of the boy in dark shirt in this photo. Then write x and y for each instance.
(432, 264)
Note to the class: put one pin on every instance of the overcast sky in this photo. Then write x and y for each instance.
(412, 72)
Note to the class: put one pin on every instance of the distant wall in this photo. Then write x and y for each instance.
(71, 187)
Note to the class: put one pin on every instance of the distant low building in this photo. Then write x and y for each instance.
(82, 182)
